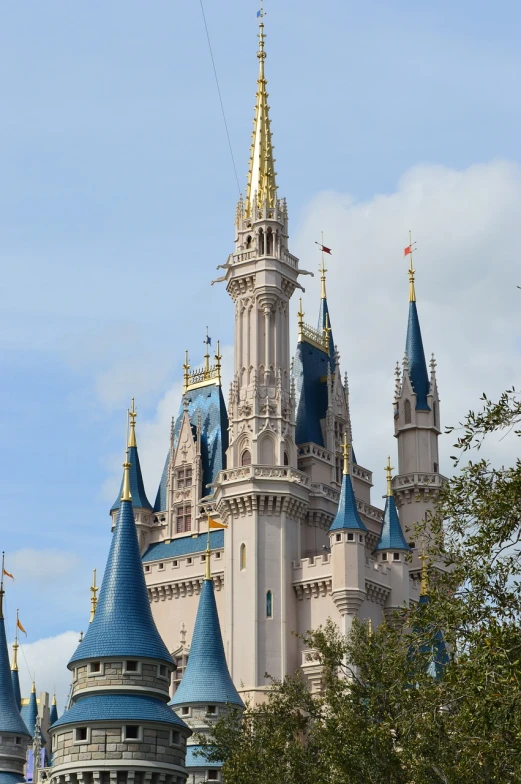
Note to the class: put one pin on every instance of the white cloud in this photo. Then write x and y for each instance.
(46, 661)
(31, 565)
(466, 224)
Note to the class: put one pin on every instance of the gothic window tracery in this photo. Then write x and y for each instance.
(407, 412)
(246, 458)
(183, 519)
(269, 243)
(184, 477)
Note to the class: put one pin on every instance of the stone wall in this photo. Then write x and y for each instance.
(112, 674)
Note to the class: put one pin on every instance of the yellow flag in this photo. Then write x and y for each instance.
(214, 524)
(20, 626)
(8, 575)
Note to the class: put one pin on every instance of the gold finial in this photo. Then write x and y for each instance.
(125, 492)
(261, 171)
(94, 599)
(424, 585)
(54, 699)
(388, 471)
(327, 330)
(33, 690)
(186, 368)
(408, 252)
(218, 358)
(208, 342)
(300, 316)
(322, 269)
(345, 449)
(16, 645)
(132, 419)
(208, 571)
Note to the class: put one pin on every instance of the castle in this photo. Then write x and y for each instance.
(262, 528)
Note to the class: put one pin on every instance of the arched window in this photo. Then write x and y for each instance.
(435, 413)
(248, 241)
(269, 243)
(407, 412)
(242, 559)
(286, 458)
(269, 608)
(246, 458)
(267, 451)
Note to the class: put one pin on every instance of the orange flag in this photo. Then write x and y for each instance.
(8, 575)
(214, 524)
(20, 626)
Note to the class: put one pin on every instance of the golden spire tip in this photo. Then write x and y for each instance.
(388, 471)
(345, 448)
(94, 599)
(33, 690)
(132, 419)
(125, 492)
(412, 271)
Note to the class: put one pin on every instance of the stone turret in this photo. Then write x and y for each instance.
(347, 537)
(206, 691)
(14, 735)
(119, 727)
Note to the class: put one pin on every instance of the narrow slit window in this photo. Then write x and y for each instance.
(269, 605)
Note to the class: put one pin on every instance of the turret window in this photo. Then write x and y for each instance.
(175, 738)
(132, 667)
(183, 519)
(435, 413)
(211, 710)
(350, 537)
(338, 537)
(269, 243)
(243, 558)
(184, 477)
(435, 468)
(180, 664)
(269, 605)
(384, 556)
(131, 732)
(82, 735)
(396, 556)
(407, 412)
(246, 458)
(213, 775)
(95, 668)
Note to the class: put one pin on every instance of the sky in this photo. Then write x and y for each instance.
(117, 201)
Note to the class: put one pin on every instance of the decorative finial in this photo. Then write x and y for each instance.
(262, 186)
(54, 699)
(125, 492)
(322, 269)
(186, 368)
(345, 449)
(218, 358)
(16, 645)
(33, 690)
(94, 599)
(300, 316)
(408, 251)
(432, 365)
(132, 419)
(388, 471)
(182, 634)
(327, 330)
(208, 571)
(208, 342)
(424, 585)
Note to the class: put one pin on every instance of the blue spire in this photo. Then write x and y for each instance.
(16, 688)
(10, 718)
(137, 487)
(123, 624)
(53, 714)
(324, 322)
(347, 515)
(416, 359)
(30, 712)
(391, 537)
(206, 677)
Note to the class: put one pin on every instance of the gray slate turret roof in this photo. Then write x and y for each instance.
(123, 624)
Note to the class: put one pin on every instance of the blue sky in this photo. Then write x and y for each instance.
(117, 200)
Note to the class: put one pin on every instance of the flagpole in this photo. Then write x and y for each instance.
(16, 644)
(2, 587)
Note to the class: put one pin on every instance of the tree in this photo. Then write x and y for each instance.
(394, 707)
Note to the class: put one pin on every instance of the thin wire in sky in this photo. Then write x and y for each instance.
(220, 97)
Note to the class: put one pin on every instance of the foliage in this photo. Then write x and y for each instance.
(382, 715)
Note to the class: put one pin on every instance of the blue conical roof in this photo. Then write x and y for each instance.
(416, 359)
(10, 718)
(391, 537)
(30, 713)
(16, 688)
(322, 320)
(53, 713)
(347, 515)
(206, 678)
(123, 624)
(137, 487)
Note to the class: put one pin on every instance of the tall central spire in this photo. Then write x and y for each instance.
(262, 187)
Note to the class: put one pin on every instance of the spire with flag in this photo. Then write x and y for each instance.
(417, 366)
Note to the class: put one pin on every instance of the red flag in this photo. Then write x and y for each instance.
(407, 250)
(326, 250)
